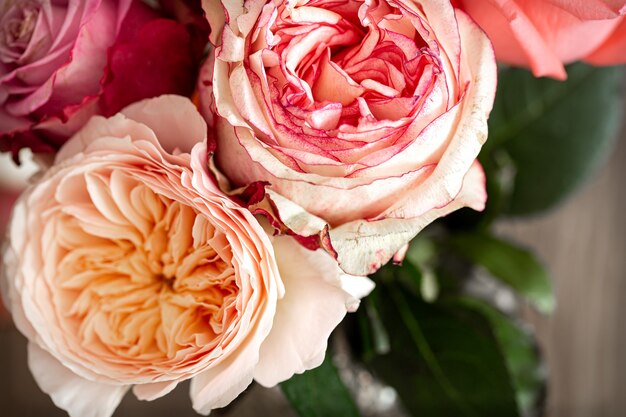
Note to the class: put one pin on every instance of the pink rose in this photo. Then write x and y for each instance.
(543, 35)
(127, 267)
(362, 118)
(62, 62)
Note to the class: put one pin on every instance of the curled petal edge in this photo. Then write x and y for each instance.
(361, 247)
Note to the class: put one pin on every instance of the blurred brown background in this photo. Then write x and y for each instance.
(584, 245)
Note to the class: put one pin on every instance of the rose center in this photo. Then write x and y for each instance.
(17, 26)
(145, 282)
(371, 60)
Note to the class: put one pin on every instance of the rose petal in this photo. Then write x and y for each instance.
(592, 9)
(76, 395)
(218, 386)
(611, 52)
(519, 42)
(364, 246)
(150, 392)
(176, 114)
(158, 60)
(335, 85)
(313, 305)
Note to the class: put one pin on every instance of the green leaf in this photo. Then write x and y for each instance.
(516, 267)
(521, 355)
(556, 133)
(444, 361)
(320, 393)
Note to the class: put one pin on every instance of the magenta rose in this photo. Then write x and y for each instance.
(362, 119)
(63, 61)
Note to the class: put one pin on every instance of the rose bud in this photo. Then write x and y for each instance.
(543, 35)
(362, 119)
(127, 267)
(62, 62)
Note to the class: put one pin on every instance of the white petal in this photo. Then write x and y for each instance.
(313, 305)
(76, 395)
(15, 177)
(358, 287)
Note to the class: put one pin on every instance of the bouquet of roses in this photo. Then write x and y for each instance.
(217, 180)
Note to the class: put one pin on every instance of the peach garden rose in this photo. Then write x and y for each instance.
(362, 119)
(127, 267)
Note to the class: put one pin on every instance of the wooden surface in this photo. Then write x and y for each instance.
(584, 244)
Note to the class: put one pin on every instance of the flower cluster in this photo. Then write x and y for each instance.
(214, 218)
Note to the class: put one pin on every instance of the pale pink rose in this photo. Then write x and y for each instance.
(543, 35)
(127, 267)
(362, 118)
